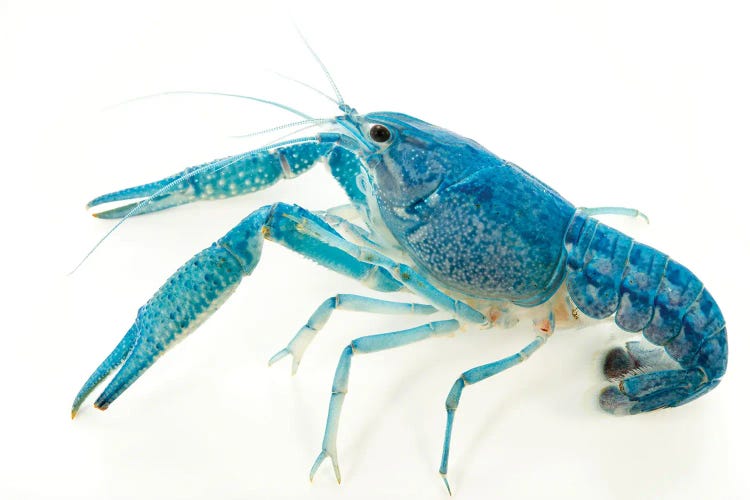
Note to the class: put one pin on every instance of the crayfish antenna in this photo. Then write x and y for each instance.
(339, 97)
(306, 85)
(220, 94)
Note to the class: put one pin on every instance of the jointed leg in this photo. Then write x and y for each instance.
(203, 283)
(352, 231)
(545, 329)
(346, 302)
(403, 273)
(371, 343)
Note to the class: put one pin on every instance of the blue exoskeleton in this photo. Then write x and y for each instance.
(466, 232)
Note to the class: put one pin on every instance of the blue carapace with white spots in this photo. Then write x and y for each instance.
(470, 235)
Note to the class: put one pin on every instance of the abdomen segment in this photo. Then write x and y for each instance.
(610, 273)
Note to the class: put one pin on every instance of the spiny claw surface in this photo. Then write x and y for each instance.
(188, 297)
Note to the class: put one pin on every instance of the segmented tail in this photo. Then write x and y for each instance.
(610, 273)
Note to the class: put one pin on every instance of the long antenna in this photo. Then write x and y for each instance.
(307, 85)
(314, 121)
(222, 94)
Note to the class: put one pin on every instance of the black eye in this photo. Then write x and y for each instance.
(380, 133)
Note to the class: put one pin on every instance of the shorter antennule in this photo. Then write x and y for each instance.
(339, 98)
(306, 85)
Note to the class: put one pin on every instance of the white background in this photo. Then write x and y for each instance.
(641, 104)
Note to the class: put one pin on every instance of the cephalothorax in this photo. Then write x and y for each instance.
(468, 233)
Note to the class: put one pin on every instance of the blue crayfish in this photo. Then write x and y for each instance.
(467, 232)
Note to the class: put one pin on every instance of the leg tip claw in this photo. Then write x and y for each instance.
(318, 461)
(279, 355)
(282, 354)
(445, 481)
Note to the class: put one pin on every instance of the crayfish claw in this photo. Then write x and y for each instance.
(112, 362)
(143, 206)
(152, 197)
(115, 213)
